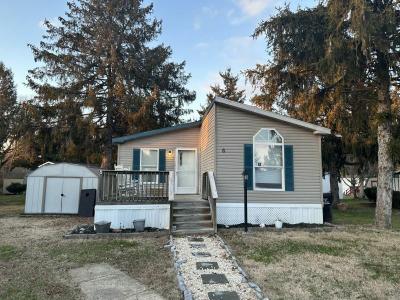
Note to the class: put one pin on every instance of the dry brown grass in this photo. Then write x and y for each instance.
(345, 263)
(35, 259)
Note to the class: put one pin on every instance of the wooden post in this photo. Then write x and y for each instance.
(245, 178)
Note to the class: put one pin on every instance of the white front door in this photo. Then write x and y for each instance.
(186, 171)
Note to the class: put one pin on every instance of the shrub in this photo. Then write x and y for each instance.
(396, 199)
(371, 195)
(16, 188)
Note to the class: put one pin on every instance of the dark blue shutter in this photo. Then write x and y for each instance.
(289, 176)
(161, 163)
(248, 164)
(136, 162)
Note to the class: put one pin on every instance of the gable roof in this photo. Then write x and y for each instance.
(255, 110)
(218, 100)
(127, 138)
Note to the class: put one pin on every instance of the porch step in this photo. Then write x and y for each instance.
(192, 223)
(191, 210)
(191, 216)
(178, 217)
(194, 231)
(199, 203)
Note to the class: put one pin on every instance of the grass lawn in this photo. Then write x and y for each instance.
(361, 212)
(11, 205)
(35, 259)
(352, 261)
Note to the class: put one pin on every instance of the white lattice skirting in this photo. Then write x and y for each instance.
(122, 216)
(258, 213)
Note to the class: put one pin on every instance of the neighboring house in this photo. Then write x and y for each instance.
(326, 186)
(8, 177)
(281, 155)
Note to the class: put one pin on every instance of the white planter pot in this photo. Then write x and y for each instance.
(278, 224)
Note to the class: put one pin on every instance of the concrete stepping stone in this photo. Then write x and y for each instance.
(223, 295)
(205, 265)
(201, 254)
(196, 239)
(102, 281)
(198, 246)
(214, 279)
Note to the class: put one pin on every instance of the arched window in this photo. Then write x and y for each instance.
(268, 166)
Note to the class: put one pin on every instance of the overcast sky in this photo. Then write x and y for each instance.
(209, 35)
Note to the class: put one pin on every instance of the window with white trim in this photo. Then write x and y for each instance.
(149, 162)
(268, 166)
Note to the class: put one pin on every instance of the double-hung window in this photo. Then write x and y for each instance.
(149, 162)
(268, 168)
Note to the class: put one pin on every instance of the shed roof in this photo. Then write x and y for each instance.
(65, 170)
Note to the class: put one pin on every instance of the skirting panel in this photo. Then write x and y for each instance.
(258, 213)
(122, 216)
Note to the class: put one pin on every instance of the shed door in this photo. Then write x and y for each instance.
(70, 195)
(52, 202)
(62, 195)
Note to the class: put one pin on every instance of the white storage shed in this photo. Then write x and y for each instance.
(55, 189)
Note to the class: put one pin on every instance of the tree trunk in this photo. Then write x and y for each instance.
(106, 160)
(333, 181)
(354, 186)
(362, 187)
(383, 212)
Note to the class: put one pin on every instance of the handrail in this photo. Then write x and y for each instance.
(171, 186)
(171, 197)
(213, 186)
(127, 187)
(209, 192)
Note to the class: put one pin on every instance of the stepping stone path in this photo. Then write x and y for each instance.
(206, 265)
(214, 278)
(224, 295)
(201, 254)
(208, 271)
(198, 246)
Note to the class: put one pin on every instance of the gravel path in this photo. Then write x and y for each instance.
(195, 260)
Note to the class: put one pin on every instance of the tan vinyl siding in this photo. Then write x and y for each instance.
(184, 138)
(207, 143)
(234, 128)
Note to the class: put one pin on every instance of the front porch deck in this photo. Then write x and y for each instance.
(134, 187)
(130, 195)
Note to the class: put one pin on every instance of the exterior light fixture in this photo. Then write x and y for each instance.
(169, 153)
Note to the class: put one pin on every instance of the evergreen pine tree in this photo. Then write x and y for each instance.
(8, 106)
(229, 90)
(101, 60)
(335, 65)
